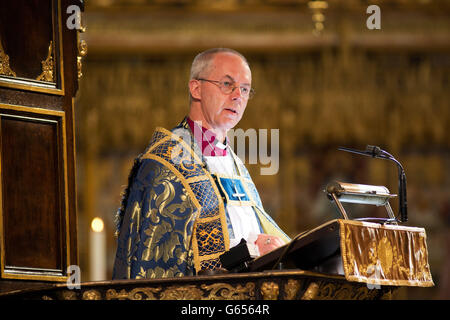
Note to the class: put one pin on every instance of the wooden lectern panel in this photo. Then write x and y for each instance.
(39, 68)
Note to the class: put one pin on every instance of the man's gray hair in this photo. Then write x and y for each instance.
(203, 60)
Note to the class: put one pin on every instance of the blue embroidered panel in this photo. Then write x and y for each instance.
(234, 189)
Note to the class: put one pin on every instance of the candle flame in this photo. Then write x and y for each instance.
(97, 224)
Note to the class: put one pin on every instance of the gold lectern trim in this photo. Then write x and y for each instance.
(291, 289)
(135, 294)
(311, 292)
(214, 291)
(270, 290)
(224, 291)
(92, 295)
(190, 292)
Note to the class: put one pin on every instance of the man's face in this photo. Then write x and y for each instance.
(224, 111)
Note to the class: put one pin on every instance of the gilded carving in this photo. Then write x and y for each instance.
(91, 295)
(216, 291)
(311, 291)
(291, 289)
(82, 51)
(135, 294)
(270, 291)
(47, 66)
(112, 294)
(4, 64)
(69, 295)
(224, 291)
(345, 291)
(144, 293)
(190, 292)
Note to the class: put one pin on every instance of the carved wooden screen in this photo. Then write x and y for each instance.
(38, 80)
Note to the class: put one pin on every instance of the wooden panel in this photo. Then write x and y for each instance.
(33, 189)
(29, 22)
(38, 80)
(33, 25)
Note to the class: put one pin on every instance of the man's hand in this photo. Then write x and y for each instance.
(268, 243)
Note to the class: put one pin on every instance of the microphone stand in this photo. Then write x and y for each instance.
(377, 152)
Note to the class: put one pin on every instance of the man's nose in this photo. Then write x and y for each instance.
(236, 94)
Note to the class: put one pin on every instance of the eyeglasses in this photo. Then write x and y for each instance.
(228, 86)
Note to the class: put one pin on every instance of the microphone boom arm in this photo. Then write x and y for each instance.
(377, 152)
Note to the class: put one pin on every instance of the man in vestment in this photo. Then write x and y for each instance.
(189, 197)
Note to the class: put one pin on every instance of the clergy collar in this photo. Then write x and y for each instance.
(207, 140)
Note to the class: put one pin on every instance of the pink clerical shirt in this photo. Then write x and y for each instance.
(207, 140)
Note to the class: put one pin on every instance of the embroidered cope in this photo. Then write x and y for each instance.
(175, 218)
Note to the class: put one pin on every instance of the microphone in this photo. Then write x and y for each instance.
(374, 150)
(371, 151)
(377, 152)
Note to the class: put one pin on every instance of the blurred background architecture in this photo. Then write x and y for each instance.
(321, 76)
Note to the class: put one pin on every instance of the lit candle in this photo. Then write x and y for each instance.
(97, 259)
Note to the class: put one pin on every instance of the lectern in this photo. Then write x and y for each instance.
(375, 251)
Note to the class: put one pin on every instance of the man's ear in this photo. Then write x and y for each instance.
(195, 89)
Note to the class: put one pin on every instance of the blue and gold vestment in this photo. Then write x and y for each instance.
(173, 218)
